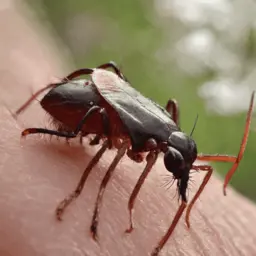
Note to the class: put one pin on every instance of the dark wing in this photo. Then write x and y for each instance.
(142, 117)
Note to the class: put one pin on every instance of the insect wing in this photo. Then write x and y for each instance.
(142, 117)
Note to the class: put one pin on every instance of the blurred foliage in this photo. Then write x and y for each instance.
(130, 33)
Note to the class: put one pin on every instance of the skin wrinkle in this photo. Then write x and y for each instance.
(218, 237)
(36, 174)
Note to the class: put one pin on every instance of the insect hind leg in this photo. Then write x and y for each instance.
(114, 66)
(76, 73)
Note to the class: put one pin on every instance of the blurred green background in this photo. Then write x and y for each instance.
(146, 38)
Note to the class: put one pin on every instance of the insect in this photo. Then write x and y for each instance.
(122, 118)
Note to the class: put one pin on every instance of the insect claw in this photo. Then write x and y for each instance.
(59, 218)
(187, 222)
(224, 191)
(59, 213)
(129, 230)
(155, 252)
(25, 133)
(95, 237)
(94, 232)
(60, 210)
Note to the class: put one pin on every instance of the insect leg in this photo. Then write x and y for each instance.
(81, 137)
(95, 140)
(233, 159)
(151, 159)
(114, 66)
(63, 204)
(208, 175)
(32, 98)
(106, 129)
(65, 134)
(135, 156)
(173, 108)
(95, 218)
(79, 72)
(216, 158)
(166, 236)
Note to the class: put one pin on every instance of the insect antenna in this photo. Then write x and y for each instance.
(194, 126)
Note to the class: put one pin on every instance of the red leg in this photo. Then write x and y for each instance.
(173, 108)
(232, 159)
(208, 175)
(151, 159)
(63, 204)
(165, 238)
(216, 158)
(242, 147)
(32, 98)
(71, 76)
(137, 157)
(114, 66)
(79, 72)
(95, 218)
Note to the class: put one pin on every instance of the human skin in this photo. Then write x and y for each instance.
(37, 173)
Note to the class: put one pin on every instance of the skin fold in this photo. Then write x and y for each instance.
(37, 173)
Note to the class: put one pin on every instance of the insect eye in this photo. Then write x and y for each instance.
(184, 144)
(174, 162)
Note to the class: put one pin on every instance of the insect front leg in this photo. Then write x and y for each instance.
(64, 203)
(95, 218)
(207, 177)
(172, 108)
(151, 159)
